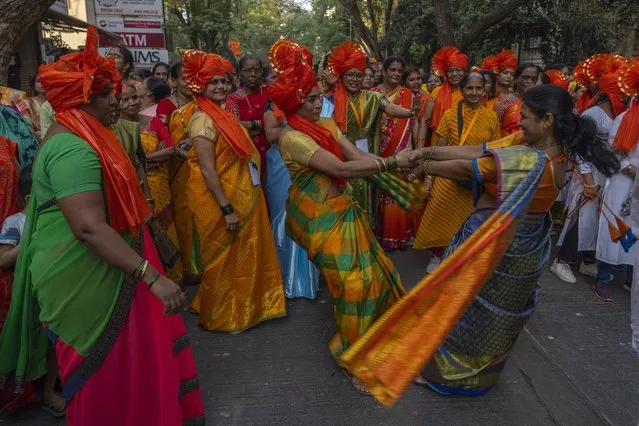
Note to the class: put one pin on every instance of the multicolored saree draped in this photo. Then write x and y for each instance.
(362, 280)
(466, 315)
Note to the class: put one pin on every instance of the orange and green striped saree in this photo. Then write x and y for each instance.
(335, 232)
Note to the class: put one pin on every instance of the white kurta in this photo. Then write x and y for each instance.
(617, 190)
(634, 299)
(589, 213)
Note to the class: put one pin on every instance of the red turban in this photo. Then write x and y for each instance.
(71, 82)
(628, 134)
(582, 79)
(76, 77)
(504, 60)
(608, 84)
(199, 68)
(445, 58)
(344, 57)
(557, 78)
(288, 92)
(602, 69)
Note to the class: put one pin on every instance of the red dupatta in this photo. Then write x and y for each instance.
(405, 100)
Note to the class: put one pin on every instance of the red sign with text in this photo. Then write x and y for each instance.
(137, 40)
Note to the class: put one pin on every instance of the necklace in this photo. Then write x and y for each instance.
(544, 146)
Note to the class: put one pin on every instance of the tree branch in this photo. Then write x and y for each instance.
(497, 15)
(388, 13)
(369, 38)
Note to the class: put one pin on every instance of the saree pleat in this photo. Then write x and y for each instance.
(417, 329)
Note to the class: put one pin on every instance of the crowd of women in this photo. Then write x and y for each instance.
(259, 182)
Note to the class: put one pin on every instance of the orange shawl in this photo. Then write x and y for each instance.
(406, 96)
(445, 58)
(344, 57)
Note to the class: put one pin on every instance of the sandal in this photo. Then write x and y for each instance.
(56, 410)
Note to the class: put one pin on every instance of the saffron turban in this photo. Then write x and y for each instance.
(199, 68)
(628, 81)
(284, 52)
(71, 81)
(504, 60)
(346, 56)
(558, 78)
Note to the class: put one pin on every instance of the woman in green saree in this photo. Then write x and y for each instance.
(89, 272)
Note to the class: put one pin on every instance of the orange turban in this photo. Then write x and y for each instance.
(628, 134)
(445, 58)
(582, 79)
(71, 82)
(288, 92)
(504, 60)
(199, 68)
(293, 83)
(602, 69)
(283, 53)
(558, 78)
(344, 57)
(76, 77)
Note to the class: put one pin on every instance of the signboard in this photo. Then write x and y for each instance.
(144, 58)
(60, 6)
(138, 32)
(129, 7)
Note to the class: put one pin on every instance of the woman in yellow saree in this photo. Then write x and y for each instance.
(322, 214)
(468, 124)
(463, 320)
(179, 176)
(241, 281)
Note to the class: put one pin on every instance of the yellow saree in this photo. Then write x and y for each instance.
(241, 281)
(158, 179)
(451, 203)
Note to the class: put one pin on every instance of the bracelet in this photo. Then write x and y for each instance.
(140, 270)
(227, 209)
(153, 281)
(392, 163)
(590, 186)
(380, 164)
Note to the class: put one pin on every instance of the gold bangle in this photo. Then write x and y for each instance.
(384, 164)
(137, 269)
(392, 163)
(590, 186)
(379, 165)
(145, 266)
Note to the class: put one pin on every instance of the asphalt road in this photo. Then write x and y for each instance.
(573, 365)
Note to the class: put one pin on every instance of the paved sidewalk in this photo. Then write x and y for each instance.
(572, 365)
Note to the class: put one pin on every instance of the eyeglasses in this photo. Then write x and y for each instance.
(249, 71)
(354, 76)
(314, 98)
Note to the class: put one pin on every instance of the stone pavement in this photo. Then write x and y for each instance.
(572, 365)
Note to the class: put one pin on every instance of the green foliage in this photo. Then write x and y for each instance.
(568, 30)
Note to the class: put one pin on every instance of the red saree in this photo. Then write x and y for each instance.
(396, 229)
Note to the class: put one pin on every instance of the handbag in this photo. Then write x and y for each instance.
(168, 251)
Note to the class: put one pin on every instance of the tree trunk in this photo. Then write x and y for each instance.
(494, 17)
(17, 17)
(365, 34)
(444, 22)
(388, 16)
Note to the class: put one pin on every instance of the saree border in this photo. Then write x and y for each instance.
(103, 347)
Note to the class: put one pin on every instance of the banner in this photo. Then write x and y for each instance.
(129, 7)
